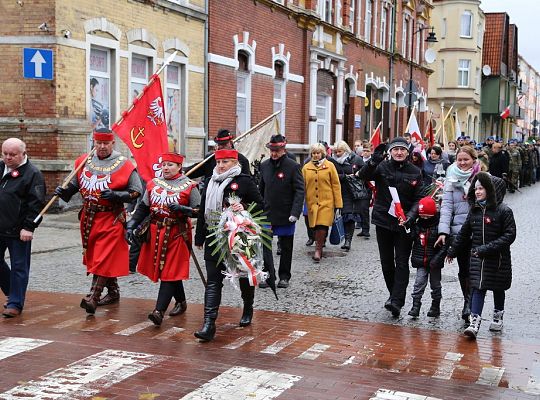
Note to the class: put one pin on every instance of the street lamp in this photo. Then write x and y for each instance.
(430, 39)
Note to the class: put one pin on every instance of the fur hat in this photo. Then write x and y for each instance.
(226, 153)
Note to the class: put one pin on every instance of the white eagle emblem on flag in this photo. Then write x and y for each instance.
(155, 112)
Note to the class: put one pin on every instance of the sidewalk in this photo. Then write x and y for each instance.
(54, 347)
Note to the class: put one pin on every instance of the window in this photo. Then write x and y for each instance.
(463, 73)
(480, 38)
(173, 105)
(466, 24)
(100, 87)
(368, 22)
(404, 35)
(418, 42)
(243, 93)
(478, 81)
(279, 95)
(139, 75)
(442, 76)
(323, 118)
(443, 28)
(325, 10)
(351, 15)
(384, 17)
(391, 31)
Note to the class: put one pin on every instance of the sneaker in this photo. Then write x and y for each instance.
(283, 283)
(497, 323)
(263, 285)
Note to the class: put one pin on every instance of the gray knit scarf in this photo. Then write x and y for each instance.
(215, 189)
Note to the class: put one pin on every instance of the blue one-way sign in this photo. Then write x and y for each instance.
(38, 63)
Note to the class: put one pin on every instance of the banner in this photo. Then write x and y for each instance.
(253, 145)
(144, 130)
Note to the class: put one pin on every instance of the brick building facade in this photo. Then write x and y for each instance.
(337, 67)
(104, 52)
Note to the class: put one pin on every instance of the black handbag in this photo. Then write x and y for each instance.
(358, 188)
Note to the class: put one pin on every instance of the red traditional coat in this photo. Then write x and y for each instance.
(105, 251)
(166, 255)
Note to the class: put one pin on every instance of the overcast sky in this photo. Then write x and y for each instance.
(525, 14)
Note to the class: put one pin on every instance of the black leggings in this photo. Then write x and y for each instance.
(168, 290)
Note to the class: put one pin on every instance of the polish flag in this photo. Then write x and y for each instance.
(395, 209)
(376, 137)
(506, 113)
(416, 137)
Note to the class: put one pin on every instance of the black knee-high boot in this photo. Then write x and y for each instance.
(212, 300)
(248, 294)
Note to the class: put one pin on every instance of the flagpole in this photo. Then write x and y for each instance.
(64, 185)
(371, 138)
(167, 62)
(239, 138)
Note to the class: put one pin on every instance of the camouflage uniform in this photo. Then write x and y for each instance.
(515, 165)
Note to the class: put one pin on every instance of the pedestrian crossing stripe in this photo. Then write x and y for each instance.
(386, 394)
(86, 377)
(15, 345)
(244, 383)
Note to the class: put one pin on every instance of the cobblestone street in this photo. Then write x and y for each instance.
(345, 285)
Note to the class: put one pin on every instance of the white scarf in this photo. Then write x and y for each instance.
(215, 189)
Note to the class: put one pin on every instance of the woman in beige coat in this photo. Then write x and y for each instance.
(323, 195)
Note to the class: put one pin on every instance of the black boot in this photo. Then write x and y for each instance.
(415, 309)
(212, 300)
(435, 309)
(349, 232)
(248, 293)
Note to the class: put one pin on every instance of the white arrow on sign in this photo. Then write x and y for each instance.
(38, 61)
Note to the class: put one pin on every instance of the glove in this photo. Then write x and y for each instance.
(187, 211)
(378, 154)
(293, 219)
(129, 236)
(116, 196)
(66, 193)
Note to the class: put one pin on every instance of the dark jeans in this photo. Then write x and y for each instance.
(395, 251)
(478, 297)
(14, 281)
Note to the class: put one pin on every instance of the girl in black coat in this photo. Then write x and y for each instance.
(491, 228)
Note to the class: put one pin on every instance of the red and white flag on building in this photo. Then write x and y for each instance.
(506, 113)
(375, 139)
(144, 130)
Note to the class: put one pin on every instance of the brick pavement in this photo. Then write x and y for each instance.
(119, 355)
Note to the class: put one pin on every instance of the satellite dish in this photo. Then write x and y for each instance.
(430, 56)
(486, 70)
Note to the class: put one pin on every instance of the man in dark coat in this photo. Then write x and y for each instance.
(282, 187)
(393, 238)
(499, 161)
(22, 196)
(224, 141)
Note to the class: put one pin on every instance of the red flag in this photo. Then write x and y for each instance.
(144, 130)
(429, 134)
(375, 139)
(506, 113)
